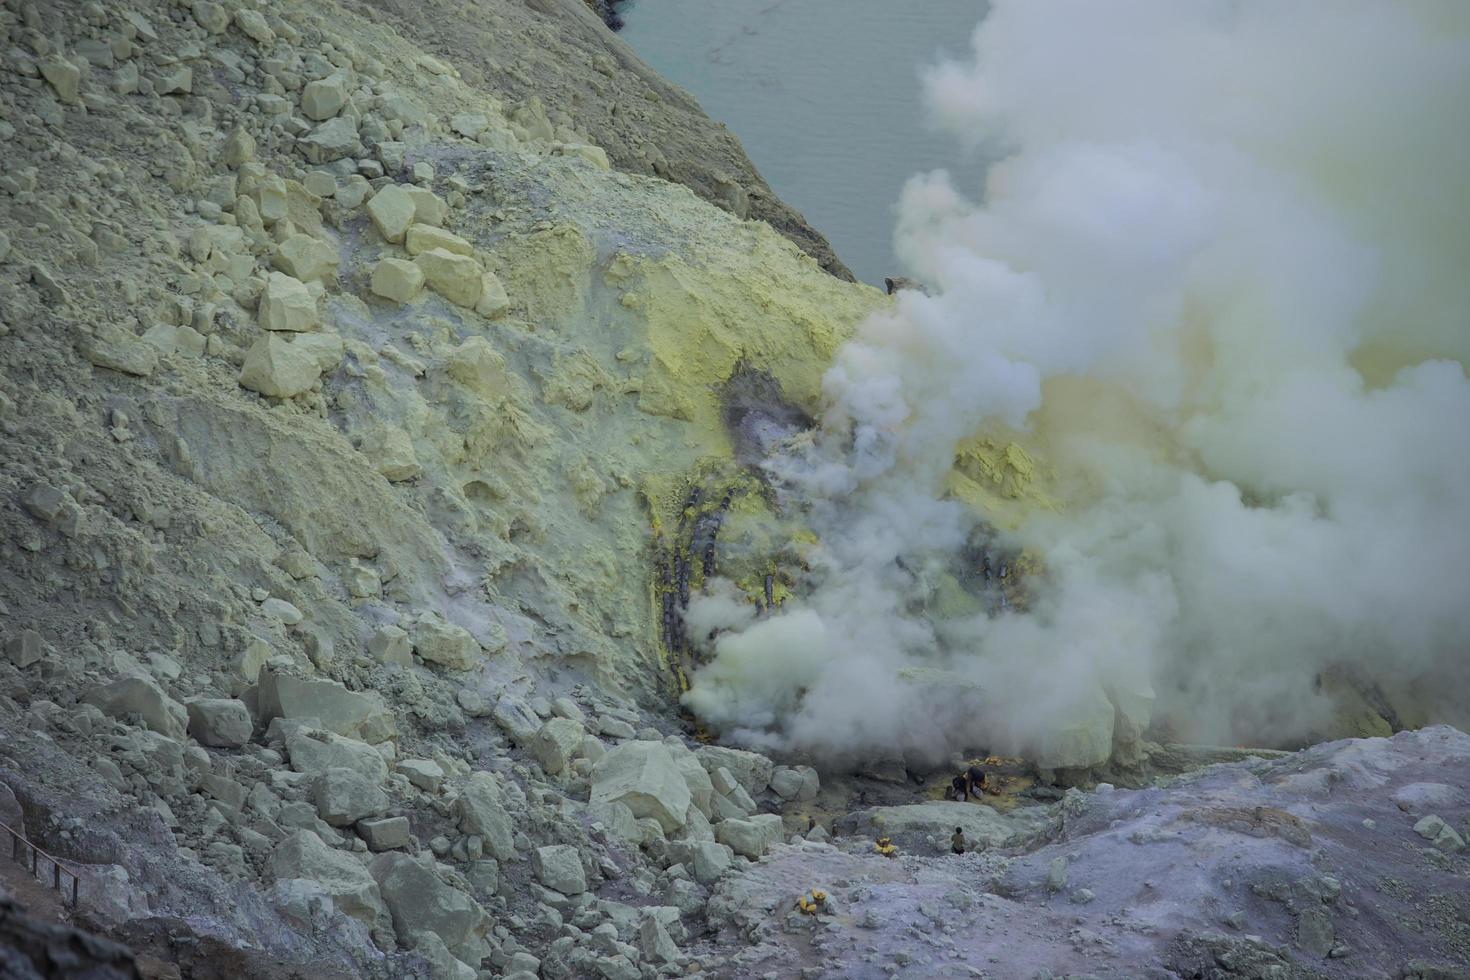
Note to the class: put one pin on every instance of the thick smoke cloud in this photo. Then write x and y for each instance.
(1220, 278)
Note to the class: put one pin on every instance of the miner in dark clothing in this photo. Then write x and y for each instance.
(969, 783)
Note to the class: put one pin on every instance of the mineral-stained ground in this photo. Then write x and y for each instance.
(373, 377)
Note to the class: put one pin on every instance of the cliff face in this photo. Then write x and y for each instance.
(560, 52)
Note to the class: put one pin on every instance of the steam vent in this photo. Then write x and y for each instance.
(460, 521)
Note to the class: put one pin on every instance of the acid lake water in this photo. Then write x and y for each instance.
(825, 96)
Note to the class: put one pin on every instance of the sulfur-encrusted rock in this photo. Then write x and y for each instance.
(428, 207)
(392, 212)
(305, 258)
(278, 368)
(422, 238)
(325, 97)
(138, 695)
(221, 722)
(351, 886)
(458, 278)
(479, 367)
(210, 16)
(286, 304)
(481, 811)
(559, 867)
(493, 299)
(645, 777)
(338, 709)
(344, 796)
(392, 454)
(555, 743)
(397, 279)
(446, 644)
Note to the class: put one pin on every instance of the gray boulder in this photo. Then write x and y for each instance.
(384, 833)
(555, 743)
(795, 783)
(342, 797)
(750, 769)
(420, 901)
(559, 867)
(137, 695)
(315, 750)
(219, 722)
(751, 837)
(482, 812)
(645, 777)
(345, 712)
(351, 887)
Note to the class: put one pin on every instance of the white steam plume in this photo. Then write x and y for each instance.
(1223, 279)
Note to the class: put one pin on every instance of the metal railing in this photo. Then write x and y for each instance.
(26, 854)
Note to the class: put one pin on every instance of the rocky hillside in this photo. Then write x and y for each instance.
(363, 385)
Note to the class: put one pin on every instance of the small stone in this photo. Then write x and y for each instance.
(446, 644)
(332, 140)
(397, 279)
(555, 743)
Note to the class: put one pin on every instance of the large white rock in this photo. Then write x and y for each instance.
(392, 212)
(344, 796)
(397, 279)
(458, 278)
(645, 777)
(325, 97)
(137, 695)
(352, 888)
(749, 838)
(446, 644)
(795, 783)
(315, 751)
(481, 812)
(278, 368)
(420, 901)
(336, 708)
(555, 743)
(221, 722)
(751, 769)
(305, 258)
(421, 238)
(286, 304)
(559, 867)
